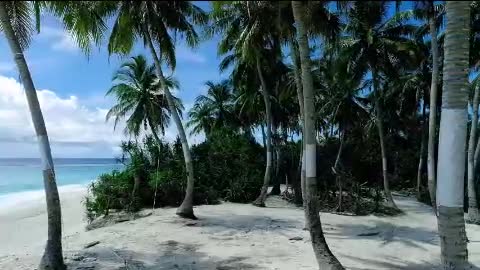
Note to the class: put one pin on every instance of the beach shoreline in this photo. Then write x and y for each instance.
(30, 198)
(25, 220)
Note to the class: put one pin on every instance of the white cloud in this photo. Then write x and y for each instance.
(60, 39)
(188, 55)
(75, 128)
(70, 124)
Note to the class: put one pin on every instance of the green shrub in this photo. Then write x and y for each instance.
(110, 191)
(227, 167)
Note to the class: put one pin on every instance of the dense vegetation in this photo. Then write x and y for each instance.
(220, 174)
(345, 96)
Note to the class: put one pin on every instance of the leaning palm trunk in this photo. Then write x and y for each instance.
(299, 88)
(260, 201)
(453, 129)
(432, 121)
(186, 208)
(325, 258)
(52, 257)
(381, 136)
(473, 214)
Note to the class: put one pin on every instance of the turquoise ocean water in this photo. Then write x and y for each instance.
(20, 178)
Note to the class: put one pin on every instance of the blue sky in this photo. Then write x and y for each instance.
(79, 84)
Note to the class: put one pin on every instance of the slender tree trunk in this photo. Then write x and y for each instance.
(297, 187)
(432, 121)
(186, 208)
(473, 214)
(299, 88)
(326, 259)
(453, 133)
(137, 180)
(338, 174)
(260, 201)
(52, 257)
(379, 122)
(278, 175)
(421, 162)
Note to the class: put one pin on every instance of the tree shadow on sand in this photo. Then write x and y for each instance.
(397, 264)
(248, 223)
(386, 233)
(169, 255)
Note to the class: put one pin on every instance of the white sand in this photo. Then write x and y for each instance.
(228, 236)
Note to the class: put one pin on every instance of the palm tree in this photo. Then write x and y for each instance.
(432, 13)
(432, 121)
(200, 119)
(139, 98)
(453, 128)
(16, 24)
(340, 101)
(249, 106)
(377, 45)
(248, 36)
(213, 110)
(154, 22)
(414, 85)
(320, 22)
(325, 258)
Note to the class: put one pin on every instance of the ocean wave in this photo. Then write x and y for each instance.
(24, 197)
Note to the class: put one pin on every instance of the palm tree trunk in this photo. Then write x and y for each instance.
(297, 187)
(278, 175)
(299, 88)
(260, 201)
(137, 181)
(379, 122)
(432, 121)
(473, 214)
(52, 257)
(325, 258)
(338, 174)
(453, 133)
(421, 161)
(186, 208)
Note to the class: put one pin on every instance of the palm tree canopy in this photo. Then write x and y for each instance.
(374, 42)
(139, 98)
(215, 109)
(161, 19)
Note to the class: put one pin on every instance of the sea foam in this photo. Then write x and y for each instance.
(24, 199)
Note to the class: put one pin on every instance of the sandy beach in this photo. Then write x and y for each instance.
(226, 236)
